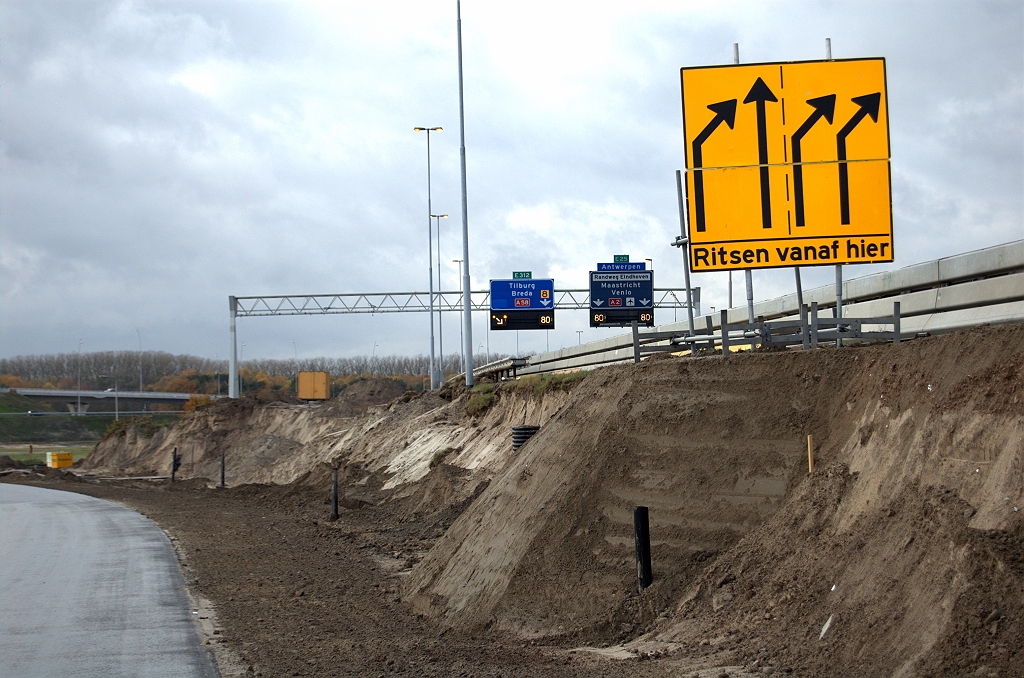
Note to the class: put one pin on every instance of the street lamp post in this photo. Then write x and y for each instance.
(295, 355)
(430, 257)
(113, 375)
(579, 337)
(139, 334)
(466, 284)
(440, 296)
(79, 413)
(462, 343)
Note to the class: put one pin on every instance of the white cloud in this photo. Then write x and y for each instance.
(156, 158)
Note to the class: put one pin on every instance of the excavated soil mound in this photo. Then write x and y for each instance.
(267, 438)
(901, 554)
(919, 449)
(360, 396)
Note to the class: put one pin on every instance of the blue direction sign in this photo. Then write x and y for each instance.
(523, 304)
(517, 295)
(621, 297)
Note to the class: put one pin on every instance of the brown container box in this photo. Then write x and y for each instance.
(313, 386)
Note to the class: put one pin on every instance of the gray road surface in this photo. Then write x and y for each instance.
(90, 588)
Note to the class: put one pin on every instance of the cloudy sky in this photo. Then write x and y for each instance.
(160, 156)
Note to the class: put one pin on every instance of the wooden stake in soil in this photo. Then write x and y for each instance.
(810, 453)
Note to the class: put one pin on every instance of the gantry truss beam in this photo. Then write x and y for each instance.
(415, 302)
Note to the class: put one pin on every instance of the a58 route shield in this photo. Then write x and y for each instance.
(787, 164)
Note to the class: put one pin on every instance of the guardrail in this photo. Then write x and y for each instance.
(984, 286)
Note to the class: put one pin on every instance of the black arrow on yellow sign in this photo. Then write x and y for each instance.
(759, 94)
(868, 106)
(725, 111)
(824, 107)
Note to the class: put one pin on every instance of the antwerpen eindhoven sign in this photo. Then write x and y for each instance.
(787, 164)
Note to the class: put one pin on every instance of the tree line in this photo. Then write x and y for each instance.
(162, 371)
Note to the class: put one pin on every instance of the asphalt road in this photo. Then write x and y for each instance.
(90, 588)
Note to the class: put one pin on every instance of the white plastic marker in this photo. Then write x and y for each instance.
(824, 629)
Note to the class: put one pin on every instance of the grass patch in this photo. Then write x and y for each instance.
(480, 403)
(21, 454)
(52, 428)
(542, 383)
(14, 402)
(481, 397)
(439, 456)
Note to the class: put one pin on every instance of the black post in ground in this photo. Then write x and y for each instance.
(222, 468)
(334, 493)
(175, 462)
(642, 531)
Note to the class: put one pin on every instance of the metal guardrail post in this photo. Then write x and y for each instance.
(814, 324)
(895, 322)
(805, 330)
(711, 331)
(725, 332)
(839, 304)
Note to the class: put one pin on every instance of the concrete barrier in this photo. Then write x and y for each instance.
(984, 286)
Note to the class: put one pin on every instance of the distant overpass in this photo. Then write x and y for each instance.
(126, 400)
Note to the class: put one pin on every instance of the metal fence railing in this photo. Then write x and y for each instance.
(966, 290)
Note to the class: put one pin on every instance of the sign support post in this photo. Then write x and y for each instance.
(839, 267)
(683, 243)
(748, 275)
(839, 304)
(636, 342)
(233, 354)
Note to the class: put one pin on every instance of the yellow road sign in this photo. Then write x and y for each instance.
(787, 164)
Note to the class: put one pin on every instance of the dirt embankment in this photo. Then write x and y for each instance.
(912, 513)
(373, 427)
(901, 555)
